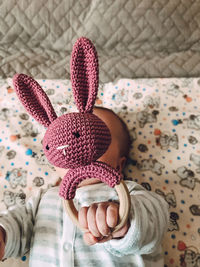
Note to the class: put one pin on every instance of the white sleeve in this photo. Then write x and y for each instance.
(149, 217)
(18, 222)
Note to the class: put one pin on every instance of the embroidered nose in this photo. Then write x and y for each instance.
(62, 147)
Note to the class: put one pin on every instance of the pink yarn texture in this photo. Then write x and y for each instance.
(73, 178)
(84, 74)
(34, 99)
(75, 140)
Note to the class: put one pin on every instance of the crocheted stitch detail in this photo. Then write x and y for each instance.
(84, 74)
(99, 170)
(34, 99)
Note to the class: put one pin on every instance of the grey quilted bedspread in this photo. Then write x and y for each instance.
(134, 38)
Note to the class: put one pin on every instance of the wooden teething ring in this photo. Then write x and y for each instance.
(124, 207)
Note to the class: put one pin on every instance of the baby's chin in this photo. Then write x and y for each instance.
(89, 182)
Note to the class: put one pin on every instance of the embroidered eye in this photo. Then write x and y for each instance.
(47, 147)
(76, 134)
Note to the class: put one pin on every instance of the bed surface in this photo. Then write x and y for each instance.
(164, 121)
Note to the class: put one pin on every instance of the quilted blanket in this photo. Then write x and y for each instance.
(134, 38)
(164, 122)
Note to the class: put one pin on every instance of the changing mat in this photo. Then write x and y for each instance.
(163, 117)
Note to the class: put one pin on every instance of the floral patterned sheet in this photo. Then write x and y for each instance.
(163, 117)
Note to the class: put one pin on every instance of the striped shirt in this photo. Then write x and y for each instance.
(43, 228)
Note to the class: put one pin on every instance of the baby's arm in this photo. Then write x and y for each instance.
(16, 228)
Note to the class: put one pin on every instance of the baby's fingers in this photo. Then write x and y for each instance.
(91, 219)
(112, 214)
(82, 217)
(121, 232)
(101, 219)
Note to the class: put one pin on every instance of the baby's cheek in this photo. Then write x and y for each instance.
(109, 159)
(111, 156)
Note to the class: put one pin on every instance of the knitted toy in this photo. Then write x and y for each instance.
(75, 140)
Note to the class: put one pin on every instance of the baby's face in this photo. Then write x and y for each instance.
(112, 155)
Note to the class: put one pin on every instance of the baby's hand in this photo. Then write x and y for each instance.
(99, 218)
(2, 243)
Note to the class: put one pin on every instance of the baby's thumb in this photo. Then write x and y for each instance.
(89, 239)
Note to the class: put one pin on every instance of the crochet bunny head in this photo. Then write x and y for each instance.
(73, 139)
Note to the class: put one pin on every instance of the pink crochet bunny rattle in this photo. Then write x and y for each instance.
(75, 140)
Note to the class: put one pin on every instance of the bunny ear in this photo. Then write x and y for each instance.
(34, 99)
(84, 74)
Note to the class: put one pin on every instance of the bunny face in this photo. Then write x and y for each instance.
(75, 139)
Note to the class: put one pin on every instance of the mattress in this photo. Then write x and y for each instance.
(163, 118)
